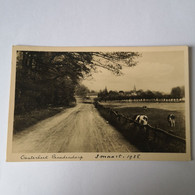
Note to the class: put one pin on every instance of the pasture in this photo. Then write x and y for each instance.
(157, 114)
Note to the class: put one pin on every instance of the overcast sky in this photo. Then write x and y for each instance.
(156, 71)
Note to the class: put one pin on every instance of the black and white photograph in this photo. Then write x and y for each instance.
(105, 103)
(97, 97)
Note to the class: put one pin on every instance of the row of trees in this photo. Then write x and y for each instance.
(176, 93)
(50, 78)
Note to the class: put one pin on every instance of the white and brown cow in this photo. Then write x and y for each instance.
(141, 119)
(171, 120)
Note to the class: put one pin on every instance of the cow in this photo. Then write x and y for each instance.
(141, 119)
(171, 120)
(145, 107)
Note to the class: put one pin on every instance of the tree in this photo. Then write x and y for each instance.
(114, 61)
(177, 92)
(50, 78)
(81, 91)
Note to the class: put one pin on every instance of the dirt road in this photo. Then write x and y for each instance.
(78, 129)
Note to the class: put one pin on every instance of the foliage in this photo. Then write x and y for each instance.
(50, 78)
(176, 93)
(81, 91)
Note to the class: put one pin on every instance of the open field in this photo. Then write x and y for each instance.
(157, 114)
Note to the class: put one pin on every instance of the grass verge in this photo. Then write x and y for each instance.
(22, 121)
(157, 118)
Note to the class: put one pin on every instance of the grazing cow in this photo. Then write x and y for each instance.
(171, 120)
(145, 107)
(141, 119)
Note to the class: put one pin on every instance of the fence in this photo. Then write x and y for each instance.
(146, 138)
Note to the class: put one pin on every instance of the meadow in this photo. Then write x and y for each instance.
(157, 114)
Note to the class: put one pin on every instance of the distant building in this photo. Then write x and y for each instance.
(128, 93)
(122, 93)
(134, 91)
(131, 93)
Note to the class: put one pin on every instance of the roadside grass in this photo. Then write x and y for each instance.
(22, 121)
(157, 118)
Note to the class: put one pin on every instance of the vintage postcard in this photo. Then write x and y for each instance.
(99, 103)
